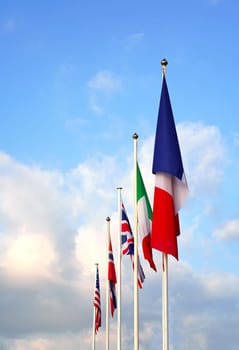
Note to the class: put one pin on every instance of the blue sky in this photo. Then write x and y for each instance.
(77, 80)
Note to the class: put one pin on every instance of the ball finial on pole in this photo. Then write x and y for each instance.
(164, 64)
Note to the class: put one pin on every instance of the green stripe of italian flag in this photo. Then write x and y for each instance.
(144, 219)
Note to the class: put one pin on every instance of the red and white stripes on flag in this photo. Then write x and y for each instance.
(96, 302)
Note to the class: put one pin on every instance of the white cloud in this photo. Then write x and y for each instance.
(53, 228)
(101, 88)
(95, 252)
(235, 136)
(201, 305)
(29, 195)
(222, 286)
(105, 81)
(229, 230)
(204, 156)
(33, 211)
(91, 184)
(22, 258)
(69, 341)
(95, 104)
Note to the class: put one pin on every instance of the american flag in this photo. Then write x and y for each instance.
(127, 244)
(112, 280)
(97, 302)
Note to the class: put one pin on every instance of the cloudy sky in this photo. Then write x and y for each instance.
(77, 80)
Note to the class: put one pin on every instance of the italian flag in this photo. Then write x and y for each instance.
(144, 219)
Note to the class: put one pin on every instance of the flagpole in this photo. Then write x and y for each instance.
(119, 272)
(107, 285)
(93, 328)
(165, 333)
(136, 260)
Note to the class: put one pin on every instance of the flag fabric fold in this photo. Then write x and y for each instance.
(112, 280)
(170, 182)
(97, 304)
(144, 219)
(127, 242)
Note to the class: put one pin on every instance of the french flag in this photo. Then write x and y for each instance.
(170, 182)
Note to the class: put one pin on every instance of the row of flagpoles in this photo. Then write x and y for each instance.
(157, 229)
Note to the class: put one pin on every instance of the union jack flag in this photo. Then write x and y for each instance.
(112, 280)
(96, 302)
(127, 244)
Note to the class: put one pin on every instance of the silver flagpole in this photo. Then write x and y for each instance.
(136, 259)
(165, 334)
(93, 330)
(119, 272)
(107, 285)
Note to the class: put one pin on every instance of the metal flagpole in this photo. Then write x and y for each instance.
(136, 260)
(165, 336)
(119, 272)
(93, 328)
(107, 285)
(165, 301)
